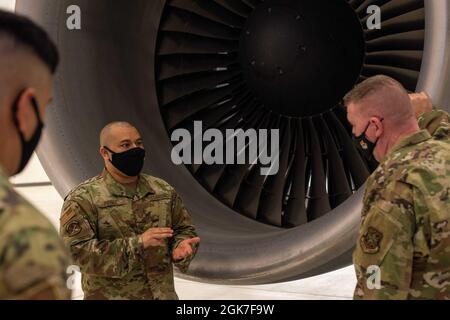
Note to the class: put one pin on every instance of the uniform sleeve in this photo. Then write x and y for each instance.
(34, 264)
(104, 258)
(384, 251)
(183, 229)
(436, 122)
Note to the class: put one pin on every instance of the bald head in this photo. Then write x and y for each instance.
(383, 97)
(117, 132)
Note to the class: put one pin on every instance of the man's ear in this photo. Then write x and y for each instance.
(25, 114)
(103, 153)
(378, 125)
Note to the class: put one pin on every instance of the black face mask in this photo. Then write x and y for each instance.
(366, 148)
(129, 162)
(29, 146)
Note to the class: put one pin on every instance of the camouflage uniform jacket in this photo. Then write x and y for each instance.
(33, 259)
(437, 122)
(101, 223)
(403, 246)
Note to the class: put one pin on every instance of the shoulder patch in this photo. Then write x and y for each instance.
(371, 240)
(73, 228)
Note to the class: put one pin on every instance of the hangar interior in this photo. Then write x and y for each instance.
(282, 64)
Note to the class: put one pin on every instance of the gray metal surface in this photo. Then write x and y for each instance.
(435, 75)
(107, 74)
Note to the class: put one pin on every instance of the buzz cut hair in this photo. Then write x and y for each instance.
(107, 128)
(370, 86)
(24, 32)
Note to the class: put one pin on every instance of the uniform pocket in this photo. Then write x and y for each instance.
(157, 212)
(156, 218)
(115, 219)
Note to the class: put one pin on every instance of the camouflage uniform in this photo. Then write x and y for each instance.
(101, 222)
(33, 259)
(437, 122)
(405, 228)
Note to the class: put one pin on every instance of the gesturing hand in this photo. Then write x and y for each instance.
(154, 237)
(184, 248)
(421, 103)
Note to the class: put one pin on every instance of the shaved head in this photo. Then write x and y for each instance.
(110, 131)
(381, 96)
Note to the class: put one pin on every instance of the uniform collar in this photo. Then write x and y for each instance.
(119, 190)
(2, 172)
(4, 180)
(416, 138)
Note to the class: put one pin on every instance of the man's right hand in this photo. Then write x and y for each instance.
(155, 237)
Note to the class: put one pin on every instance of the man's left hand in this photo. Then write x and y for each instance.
(184, 248)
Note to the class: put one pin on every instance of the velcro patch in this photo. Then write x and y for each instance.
(112, 203)
(67, 216)
(371, 240)
(73, 228)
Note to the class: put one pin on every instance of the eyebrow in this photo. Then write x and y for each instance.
(129, 140)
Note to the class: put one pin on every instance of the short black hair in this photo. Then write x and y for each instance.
(27, 33)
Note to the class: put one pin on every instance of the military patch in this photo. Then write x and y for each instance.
(364, 145)
(67, 216)
(73, 228)
(112, 203)
(371, 240)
